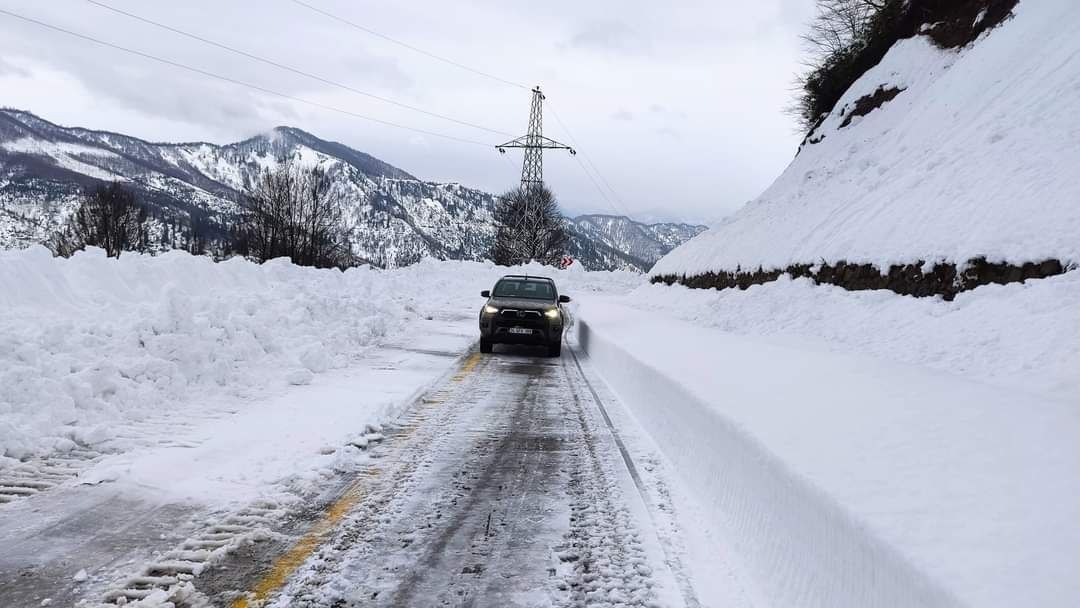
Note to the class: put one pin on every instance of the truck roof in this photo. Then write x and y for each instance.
(526, 277)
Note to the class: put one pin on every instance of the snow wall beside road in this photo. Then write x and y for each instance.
(90, 341)
(797, 545)
(845, 481)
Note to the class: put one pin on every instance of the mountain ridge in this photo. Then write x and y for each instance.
(193, 190)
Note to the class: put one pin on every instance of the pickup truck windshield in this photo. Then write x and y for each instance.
(524, 288)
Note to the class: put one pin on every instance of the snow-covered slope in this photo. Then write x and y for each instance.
(394, 218)
(977, 155)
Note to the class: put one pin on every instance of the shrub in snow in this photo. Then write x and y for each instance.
(849, 37)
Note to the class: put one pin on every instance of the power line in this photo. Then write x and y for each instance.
(509, 162)
(617, 208)
(240, 82)
(620, 207)
(288, 68)
(573, 139)
(598, 188)
(408, 46)
(462, 66)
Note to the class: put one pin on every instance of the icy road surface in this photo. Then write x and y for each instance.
(505, 483)
(503, 487)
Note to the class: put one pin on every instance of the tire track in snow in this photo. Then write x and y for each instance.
(501, 495)
(186, 575)
(391, 473)
(671, 556)
(38, 474)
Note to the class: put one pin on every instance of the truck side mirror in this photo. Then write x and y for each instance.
(564, 299)
(485, 294)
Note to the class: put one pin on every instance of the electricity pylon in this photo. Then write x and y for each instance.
(534, 143)
(532, 169)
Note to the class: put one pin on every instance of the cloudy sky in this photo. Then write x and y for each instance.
(678, 105)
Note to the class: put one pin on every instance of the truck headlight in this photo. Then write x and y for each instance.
(490, 310)
(552, 313)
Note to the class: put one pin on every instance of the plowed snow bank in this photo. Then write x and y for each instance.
(850, 481)
(1024, 336)
(89, 341)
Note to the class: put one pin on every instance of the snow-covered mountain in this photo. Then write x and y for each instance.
(394, 218)
(618, 242)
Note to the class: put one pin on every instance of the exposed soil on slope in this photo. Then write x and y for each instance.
(949, 23)
(955, 23)
(868, 103)
(915, 279)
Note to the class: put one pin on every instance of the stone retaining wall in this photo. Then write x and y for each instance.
(916, 279)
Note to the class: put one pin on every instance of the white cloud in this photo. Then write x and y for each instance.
(612, 37)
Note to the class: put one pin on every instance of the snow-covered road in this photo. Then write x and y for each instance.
(504, 484)
(502, 487)
(176, 432)
(191, 487)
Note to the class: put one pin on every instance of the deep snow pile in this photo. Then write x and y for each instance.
(1020, 335)
(976, 156)
(89, 341)
(838, 479)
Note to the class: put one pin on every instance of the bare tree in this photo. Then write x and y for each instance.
(110, 216)
(293, 211)
(839, 25)
(839, 30)
(528, 227)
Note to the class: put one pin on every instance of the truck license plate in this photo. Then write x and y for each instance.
(520, 330)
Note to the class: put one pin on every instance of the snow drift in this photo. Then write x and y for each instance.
(1022, 336)
(90, 341)
(842, 480)
(845, 475)
(974, 156)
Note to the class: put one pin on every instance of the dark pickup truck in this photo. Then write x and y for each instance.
(523, 310)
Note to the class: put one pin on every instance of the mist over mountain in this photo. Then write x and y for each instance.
(192, 191)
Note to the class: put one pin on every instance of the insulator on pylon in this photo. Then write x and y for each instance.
(534, 143)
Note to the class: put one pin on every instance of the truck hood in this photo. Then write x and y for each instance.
(521, 304)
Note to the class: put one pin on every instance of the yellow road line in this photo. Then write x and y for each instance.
(467, 367)
(287, 564)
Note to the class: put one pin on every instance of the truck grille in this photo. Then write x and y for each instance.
(512, 314)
